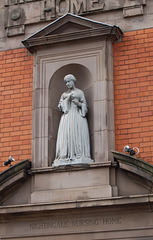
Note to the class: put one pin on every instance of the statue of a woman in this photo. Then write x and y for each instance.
(72, 144)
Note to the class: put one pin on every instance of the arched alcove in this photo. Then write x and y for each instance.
(56, 88)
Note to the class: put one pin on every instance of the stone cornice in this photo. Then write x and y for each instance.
(131, 201)
(48, 35)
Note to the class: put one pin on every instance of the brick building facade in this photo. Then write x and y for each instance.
(16, 104)
(133, 79)
(108, 46)
(133, 75)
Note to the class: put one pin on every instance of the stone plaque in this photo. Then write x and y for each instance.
(73, 224)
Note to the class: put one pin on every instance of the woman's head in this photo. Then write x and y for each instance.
(70, 81)
(69, 77)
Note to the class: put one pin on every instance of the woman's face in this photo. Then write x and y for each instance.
(69, 83)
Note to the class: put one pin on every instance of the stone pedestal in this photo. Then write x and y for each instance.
(72, 183)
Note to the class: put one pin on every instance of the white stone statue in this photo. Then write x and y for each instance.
(72, 146)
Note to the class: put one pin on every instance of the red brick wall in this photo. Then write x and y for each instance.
(16, 74)
(133, 80)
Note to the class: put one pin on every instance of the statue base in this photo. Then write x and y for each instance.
(68, 161)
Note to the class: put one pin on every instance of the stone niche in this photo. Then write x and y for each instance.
(56, 87)
(82, 47)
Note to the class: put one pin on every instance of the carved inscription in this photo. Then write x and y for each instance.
(48, 225)
(85, 222)
(64, 224)
(69, 224)
(111, 221)
(51, 7)
(45, 10)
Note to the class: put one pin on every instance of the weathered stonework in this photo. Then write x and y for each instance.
(15, 30)
(17, 12)
(35, 15)
(50, 203)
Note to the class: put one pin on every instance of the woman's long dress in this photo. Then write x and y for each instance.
(72, 144)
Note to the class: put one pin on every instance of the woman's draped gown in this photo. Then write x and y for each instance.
(72, 144)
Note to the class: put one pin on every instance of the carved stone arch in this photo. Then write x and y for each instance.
(56, 88)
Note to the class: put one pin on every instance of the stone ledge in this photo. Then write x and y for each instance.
(73, 167)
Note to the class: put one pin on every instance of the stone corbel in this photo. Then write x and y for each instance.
(133, 8)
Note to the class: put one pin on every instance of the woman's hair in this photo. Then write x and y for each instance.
(70, 77)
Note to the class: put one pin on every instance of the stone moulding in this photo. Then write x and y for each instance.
(48, 35)
(134, 165)
(115, 201)
(72, 36)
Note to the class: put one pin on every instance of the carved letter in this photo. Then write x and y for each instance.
(78, 6)
(47, 9)
(62, 7)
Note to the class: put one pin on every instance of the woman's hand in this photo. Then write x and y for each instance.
(76, 102)
(69, 97)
